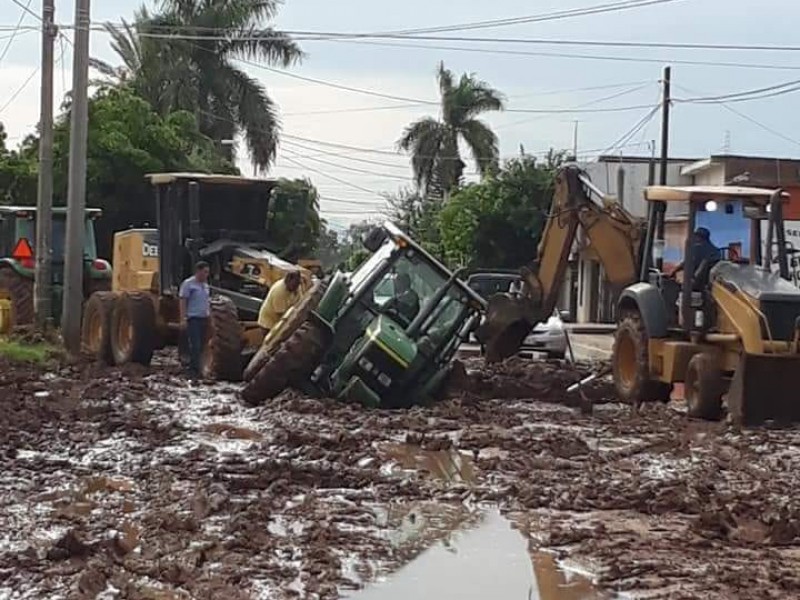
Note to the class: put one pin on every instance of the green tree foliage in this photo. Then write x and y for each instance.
(128, 139)
(18, 171)
(498, 223)
(295, 225)
(434, 143)
(418, 216)
(201, 75)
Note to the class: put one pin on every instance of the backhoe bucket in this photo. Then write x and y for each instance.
(508, 321)
(765, 388)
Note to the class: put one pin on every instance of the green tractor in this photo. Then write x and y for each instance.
(18, 247)
(382, 336)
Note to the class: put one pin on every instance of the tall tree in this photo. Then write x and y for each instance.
(434, 143)
(183, 57)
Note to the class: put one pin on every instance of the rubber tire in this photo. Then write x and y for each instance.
(222, 355)
(292, 363)
(101, 306)
(299, 315)
(136, 308)
(641, 388)
(703, 388)
(20, 292)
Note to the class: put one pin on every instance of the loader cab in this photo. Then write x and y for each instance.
(687, 301)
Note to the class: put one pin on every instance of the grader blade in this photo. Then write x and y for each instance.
(508, 321)
(765, 388)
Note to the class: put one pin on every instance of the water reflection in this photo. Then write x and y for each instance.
(469, 556)
(449, 465)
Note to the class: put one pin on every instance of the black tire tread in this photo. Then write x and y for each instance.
(142, 313)
(292, 362)
(20, 290)
(704, 370)
(222, 358)
(103, 303)
(645, 389)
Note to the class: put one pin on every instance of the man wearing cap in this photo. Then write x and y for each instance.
(705, 255)
(283, 295)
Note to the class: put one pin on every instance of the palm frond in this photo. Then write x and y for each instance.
(268, 45)
(423, 140)
(482, 143)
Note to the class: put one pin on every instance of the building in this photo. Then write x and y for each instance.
(586, 295)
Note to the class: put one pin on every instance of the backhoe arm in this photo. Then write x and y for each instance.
(613, 237)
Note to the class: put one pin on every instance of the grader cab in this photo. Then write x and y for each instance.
(221, 219)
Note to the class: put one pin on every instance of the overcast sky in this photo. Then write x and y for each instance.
(529, 82)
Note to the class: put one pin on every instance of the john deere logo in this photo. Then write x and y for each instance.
(149, 250)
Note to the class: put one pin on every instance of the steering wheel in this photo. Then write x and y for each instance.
(398, 316)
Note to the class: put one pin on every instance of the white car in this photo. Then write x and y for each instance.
(549, 337)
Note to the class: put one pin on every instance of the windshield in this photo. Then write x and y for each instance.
(26, 229)
(445, 319)
(367, 268)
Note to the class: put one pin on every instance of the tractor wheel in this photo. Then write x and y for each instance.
(222, 355)
(96, 326)
(18, 291)
(133, 328)
(630, 362)
(285, 328)
(703, 388)
(291, 363)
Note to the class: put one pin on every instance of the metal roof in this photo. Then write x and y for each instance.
(163, 178)
(659, 193)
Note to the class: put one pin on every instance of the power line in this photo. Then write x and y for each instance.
(27, 8)
(16, 30)
(331, 177)
(356, 170)
(638, 126)
(19, 90)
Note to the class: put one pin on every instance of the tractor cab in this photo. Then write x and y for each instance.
(18, 262)
(383, 335)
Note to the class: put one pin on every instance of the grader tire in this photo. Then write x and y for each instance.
(630, 362)
(284, 329)
(222, 355)
(96, 327)
(133, 329)
(703, 388)
(19, 290)
(291, 363)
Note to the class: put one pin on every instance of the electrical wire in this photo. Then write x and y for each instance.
(628, 135)
(327, 175)
(16, 30)
(356, 170)
(19, 90)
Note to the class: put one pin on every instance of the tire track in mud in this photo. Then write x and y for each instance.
(131, 484)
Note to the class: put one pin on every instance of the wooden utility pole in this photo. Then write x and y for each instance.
(43, 294)
(662, 179)
(76, 195)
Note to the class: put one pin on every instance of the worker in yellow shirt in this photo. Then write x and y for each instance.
(281, 297)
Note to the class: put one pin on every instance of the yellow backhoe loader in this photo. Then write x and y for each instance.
(730, 331)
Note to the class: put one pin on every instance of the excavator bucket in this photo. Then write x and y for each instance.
(765, 388)
(508, 321)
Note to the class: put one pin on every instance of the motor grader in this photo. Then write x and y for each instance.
(344, 341)
(221, 219)
(18, 265)
(730, 331)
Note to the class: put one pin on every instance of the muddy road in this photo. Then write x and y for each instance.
(133, 484)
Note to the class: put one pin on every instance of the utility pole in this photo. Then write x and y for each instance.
(575, 141)
(43, 297)
(661, 206)
(76, 195)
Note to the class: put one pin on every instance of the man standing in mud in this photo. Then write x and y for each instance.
(195, 311)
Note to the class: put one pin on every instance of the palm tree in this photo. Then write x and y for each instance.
(183, 58)
(433, 143)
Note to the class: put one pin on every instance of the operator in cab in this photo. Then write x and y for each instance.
(405, 301)
(283, 295)
(706, 255)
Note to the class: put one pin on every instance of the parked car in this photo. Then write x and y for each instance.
(547, 337)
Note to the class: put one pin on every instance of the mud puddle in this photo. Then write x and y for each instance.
(476, 558)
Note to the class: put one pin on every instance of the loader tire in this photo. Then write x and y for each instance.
(133, 328)
(222, 355)
(19, 291)
(630, 362)
(290, 364)
(96, 326)
(703, 388)
(285, 328)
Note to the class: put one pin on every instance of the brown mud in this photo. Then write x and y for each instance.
(130, 483)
